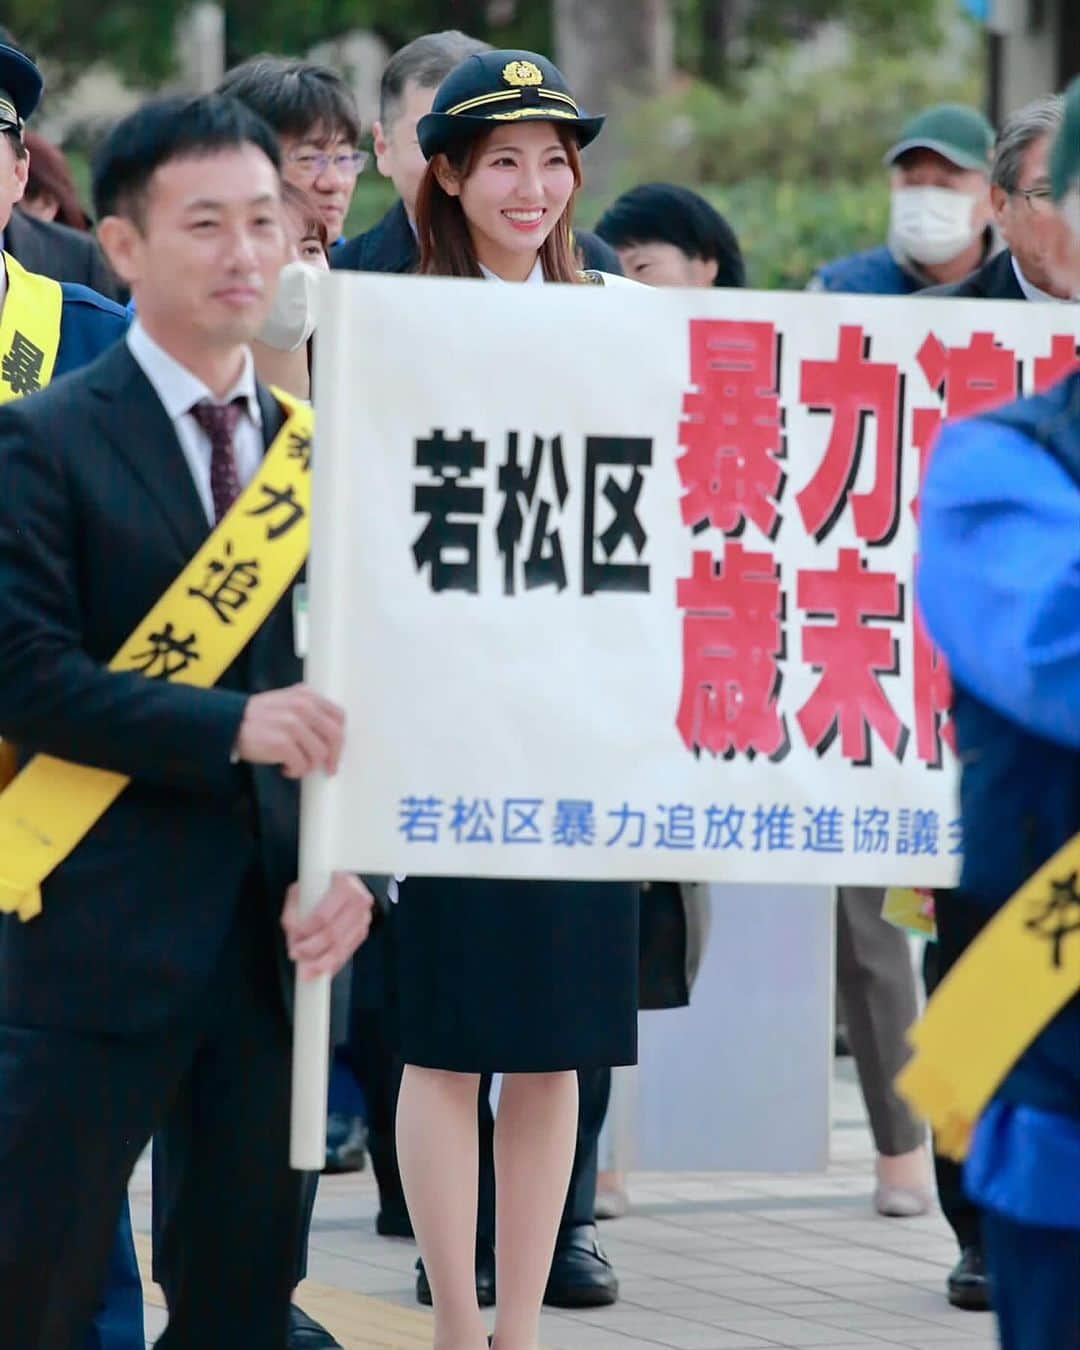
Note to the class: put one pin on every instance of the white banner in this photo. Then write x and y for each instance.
(617, 583)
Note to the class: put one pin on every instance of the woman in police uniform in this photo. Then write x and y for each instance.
(531, 979)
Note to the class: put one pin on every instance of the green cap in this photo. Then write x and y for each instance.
(960, 134)
(1065, 154)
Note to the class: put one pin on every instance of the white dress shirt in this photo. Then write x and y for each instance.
(179, 390)
(535, 277)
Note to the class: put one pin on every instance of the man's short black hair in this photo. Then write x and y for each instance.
(296, 98)
(426, 62)
(668, 214)
(166, 129)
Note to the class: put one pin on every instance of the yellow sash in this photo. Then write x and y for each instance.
(1018, 974)
(29, 331)
(191, 636)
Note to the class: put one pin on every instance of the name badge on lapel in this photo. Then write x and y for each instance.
(300, 619)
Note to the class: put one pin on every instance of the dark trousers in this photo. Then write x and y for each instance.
(379, 1074)
(1035, 1274)
(161, 1184)
(118, 1322)
(958, 923)
(216, 1091)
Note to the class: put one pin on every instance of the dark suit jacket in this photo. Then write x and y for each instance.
(994, 280)
(62, 253)
(390, 246)
(98, 515)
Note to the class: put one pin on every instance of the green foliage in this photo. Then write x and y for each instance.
(885, 24)
(136, 36)
(821, 132)
(788, 230)
(810, 125)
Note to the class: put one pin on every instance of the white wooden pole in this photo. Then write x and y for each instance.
(327, 569)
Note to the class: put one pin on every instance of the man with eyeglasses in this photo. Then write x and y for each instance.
(312, 112)
(1023, 211)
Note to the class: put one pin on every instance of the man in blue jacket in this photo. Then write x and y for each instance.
(1000, 589)
(940, 212)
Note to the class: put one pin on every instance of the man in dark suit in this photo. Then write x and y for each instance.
(54, 250)
(1023, 211)
(152, 991)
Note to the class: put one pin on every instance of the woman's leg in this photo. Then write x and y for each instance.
(437, 1153)
(535, 1136)
(876, 979)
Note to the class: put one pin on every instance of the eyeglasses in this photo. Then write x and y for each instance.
(312, 164)
(1037, 198)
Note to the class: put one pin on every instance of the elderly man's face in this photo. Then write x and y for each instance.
(1026, 216)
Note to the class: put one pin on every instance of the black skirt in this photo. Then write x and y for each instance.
(497, 976)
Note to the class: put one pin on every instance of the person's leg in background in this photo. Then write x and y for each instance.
(118, 1322)
(875, 976)
(967, 1285)
(581, 1274)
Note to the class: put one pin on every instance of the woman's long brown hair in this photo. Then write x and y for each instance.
(446, 246)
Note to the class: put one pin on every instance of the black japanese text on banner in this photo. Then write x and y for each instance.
(630, 577)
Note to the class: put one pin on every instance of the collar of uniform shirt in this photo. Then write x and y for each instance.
(3, 275)
(535, 277)
(1032, 292)
(177, 387)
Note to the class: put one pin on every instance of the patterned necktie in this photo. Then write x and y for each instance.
(219, 421)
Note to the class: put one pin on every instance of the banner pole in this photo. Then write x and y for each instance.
(311, 1010)
(327, 562)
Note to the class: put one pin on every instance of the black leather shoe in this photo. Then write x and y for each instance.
(968, 1285)
(485, 1278)
(581, 1275)
(346, 1142)
(306, 1334)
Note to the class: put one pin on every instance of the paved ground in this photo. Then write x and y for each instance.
(707, 1262)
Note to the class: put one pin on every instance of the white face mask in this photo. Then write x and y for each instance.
(291, 320)
(931, 225)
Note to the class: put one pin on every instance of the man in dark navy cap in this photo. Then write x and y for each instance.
(71, 324)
